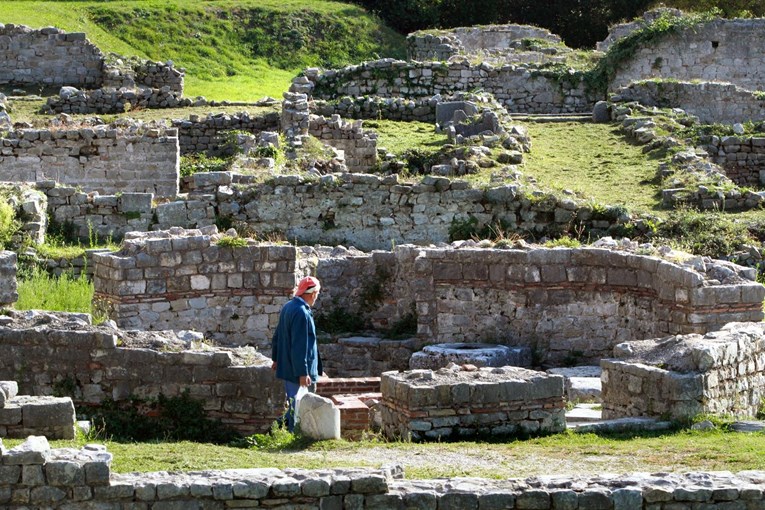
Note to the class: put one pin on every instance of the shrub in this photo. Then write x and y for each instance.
(196, 163)
(339, 320)
(232, 242)
(178, 418)
(8, 224)
(710, 234)
(40, 291)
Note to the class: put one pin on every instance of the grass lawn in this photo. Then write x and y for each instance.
(583, 454)
(595, 160)
(239, 51)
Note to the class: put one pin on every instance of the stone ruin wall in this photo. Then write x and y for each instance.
(721, 50)
(517, 88)
(568, 304)
(25, 415)
(422, 405)
(183, 280)
(564, 304)
(8, 294)
(48, 57)
(721, 373)
(41, 359)
(99, 158)
(722, 103)
(360, 147)
(388, 108)
(443, 44)
(372, 212)
(108, 100)
(621, 30)
(105, 216)
(203, 134)
(36, 475)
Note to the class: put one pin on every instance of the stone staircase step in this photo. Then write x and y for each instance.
(556, 117)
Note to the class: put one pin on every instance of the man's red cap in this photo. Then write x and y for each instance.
(307, 285)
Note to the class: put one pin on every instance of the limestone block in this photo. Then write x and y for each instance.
(318, 417)
(35, 450)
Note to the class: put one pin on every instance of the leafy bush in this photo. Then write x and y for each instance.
(8, 223)
(164, 418)
(232, 242)
(40, 291)
(566, 242)
(702, 233)
(196, 163)
(339, 320)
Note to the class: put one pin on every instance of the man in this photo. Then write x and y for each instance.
(294, 352)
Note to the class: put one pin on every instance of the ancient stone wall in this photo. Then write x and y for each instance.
(87, 215)
(101, 158)
(48, 57)
(517, 88)
(372, 212)
(427, 405)
(360, 356)
(184, 279)
(66, 478)
(113, 100)
(8, 293)
(569, 305)
(684, 376)
(424, 46)
(722, 50)
(205, 133)
(360, 147)
(389, 108)
(622, 30)
(45, 355)
(25, 415)
(722, 103)
(742, 158)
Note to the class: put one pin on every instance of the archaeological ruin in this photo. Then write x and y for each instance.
(458, 339)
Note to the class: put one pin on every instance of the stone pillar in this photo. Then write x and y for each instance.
(8, 294)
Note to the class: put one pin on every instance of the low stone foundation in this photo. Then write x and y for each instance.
(461, 402)
(23, 415)
(8, 294)
(362, 356)
(722, 372)
(35, 475)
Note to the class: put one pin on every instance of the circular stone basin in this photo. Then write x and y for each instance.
(438, 356)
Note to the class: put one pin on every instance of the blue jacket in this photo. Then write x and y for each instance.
(293, 346)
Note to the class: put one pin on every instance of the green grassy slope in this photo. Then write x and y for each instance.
(231, 50)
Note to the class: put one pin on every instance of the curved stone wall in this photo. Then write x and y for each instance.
(517, 88)
(721, 50)
(711, 102)
(569, 305)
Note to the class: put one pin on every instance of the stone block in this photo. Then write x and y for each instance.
(318, 417)
(35, 450)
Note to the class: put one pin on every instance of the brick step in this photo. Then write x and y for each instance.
(352, 395)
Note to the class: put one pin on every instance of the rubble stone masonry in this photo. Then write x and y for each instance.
(101, 158)
(35, 475)
(182, 279)
(722, 372)
(49, 57)
(8, 293)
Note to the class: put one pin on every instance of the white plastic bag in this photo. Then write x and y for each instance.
(302, 391)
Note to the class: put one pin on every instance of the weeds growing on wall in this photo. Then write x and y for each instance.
(38, 290)
(180, 418)
(710, 234)
(625, 48)
(196, 163)
(8, 223)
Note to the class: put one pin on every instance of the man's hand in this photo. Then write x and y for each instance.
(305, 380)
(273, 365)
